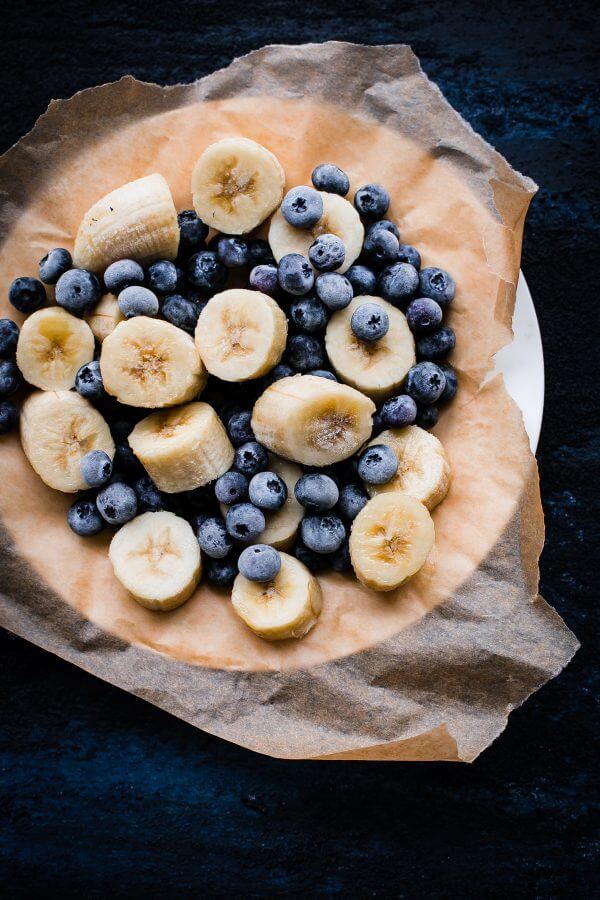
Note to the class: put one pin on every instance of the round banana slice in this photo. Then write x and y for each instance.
(312, 420)
(57, 429)
(391, 538)
(183, 448)
(104, 317)
(423, 467)
(52, 346)
(378, 368)
(135, 221)
(339, 217)
(286, 607)
(150, 363)
(241, 334)
(236, 184)
(156, 558)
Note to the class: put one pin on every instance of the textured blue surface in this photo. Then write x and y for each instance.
(103, 794)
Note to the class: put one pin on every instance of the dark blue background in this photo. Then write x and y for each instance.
(103, 794)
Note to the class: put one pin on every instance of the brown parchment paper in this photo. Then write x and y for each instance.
(429, 672)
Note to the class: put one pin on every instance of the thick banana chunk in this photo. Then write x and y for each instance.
(236, 184)
(286, 607)
(312, 420)
(378, 368)
(52, 346)
(183, 448)
(156, 557)
(150, 363)
(241, 334)
(339, 217)
(135, 221)
(57, 429)
(104, 317)
(423, 467)
(391, 538)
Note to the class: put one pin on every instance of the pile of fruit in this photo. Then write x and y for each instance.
(222, 399)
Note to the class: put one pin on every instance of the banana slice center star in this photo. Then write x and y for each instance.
(234, 341)
(233, 183)
(330, 430)
(150, 364)
(158, 549)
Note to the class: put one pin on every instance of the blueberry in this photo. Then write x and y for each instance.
(213, 537)
(372, 202)
(377, 426)
(295, 274)
(9, 415)
(250, 458)
(427, 417)
(239, 428)
(259, 562)
(398, 282)
(162, 277)
(323, 534)
(323, 373)
(96, 468)
(181, 312)
(340, 560)
(330, 178)
(369, 322)
(308, 314)
(316, 492)
(327, 252)
(138, 301)
(123, 274)
(267, 491)
(378, 464)
(352, 499)
(88, 381)
(437, 345)
(9, 337)
(84, 519)
(221, 572)
(192, 232)
(54, 264)
(302, 207)
(408, 254)
(451, 381)
(305, 352)
(334, 290)
(206, 272)
(27, 294)
(362, 279)
(245, 522)
(264, 278)
(117, 503)
(10, 378)
(280, 371)
(315, 562)
(232, 251)
(425, 382)
(384, 225)
(77, 290)
(125, 458)
(149, 498)
(398, 412)
(437, 284)
(232, 487)
(260, 252)
(423, 315)
(381, 246)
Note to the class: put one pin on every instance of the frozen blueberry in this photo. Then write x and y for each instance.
(10, 378)
(423, 315)
(245, 522)
(181, 312)
(381, 246)
(323, 534)
(398, 282)
(295, 274)
(437, 284)
(334, 290)
(138, 301)
(302, 207)
(54, 264)
(239, 428)
(267, 491)
(425, 382)
(250, 458)
(327, 252)
(232, 251)
(259, 563)
(384, 225)
(117, 503)
(213, 537)
(316, 492)
(192, 232)
(315, 562)
(408, 254)
(77, 290)
(362, 279)
(451, 381)
(427, 417)
(9, 415)
(369, 322)
(9, 337)
(280, 371)
(378, 425)
(149, 497)
(88, 381)
(437, 345)
(221, 572)
(260, 252)
(323, 373)
(308, 314)
(398, 412)
(372, 202)
(27, 294)
(264, 278)
(96, 468)
(340, 560)
(207, 272)
(162, 277)
(232, 487)
(305, 352)
(352, 499)
(378, 464)
(84, 519)
(330, 178)
(123, 274)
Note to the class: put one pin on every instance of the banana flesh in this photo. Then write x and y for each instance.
(52, 347)
(423, 467)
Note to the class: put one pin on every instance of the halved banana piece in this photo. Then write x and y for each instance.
(236, 184)
(241, 334)
(156, 557)
(339, 217)
(52, 346)
(390, 540)
(286, 607)
(150, 363)
(136, 221)
(423, 467)
(377, 368)
(57, 429)
(104, 317)
(183, 448)
(312, 420)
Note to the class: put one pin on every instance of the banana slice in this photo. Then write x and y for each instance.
(286, 607)
(241, 334)
(339, 217)
(135, 221)
(236, 184)
(104, 317)
(150, 363)
(57, 429)
(52, 346)
(378, 368)
(311, 420)
(183, 448)
(423, 467)
(391, 538)
(156, 558)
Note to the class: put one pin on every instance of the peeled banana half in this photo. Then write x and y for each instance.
(423, 467)
(52, 346)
